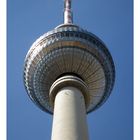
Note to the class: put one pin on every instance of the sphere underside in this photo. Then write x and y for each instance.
(68, 50)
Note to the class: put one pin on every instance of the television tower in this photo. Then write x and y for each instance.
(69, 72)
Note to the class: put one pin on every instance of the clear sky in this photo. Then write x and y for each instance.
(110, 20)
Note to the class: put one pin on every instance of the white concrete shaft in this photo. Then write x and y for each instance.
(69, 122)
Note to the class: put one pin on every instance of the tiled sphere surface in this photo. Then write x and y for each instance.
(68, 49)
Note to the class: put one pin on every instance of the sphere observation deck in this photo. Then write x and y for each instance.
(68, 50)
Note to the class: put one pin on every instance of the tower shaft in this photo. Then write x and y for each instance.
(68, 17)
(69, 121)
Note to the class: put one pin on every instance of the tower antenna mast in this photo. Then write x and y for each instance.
(68, 16)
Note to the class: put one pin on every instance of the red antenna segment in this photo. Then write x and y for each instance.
(68, 17)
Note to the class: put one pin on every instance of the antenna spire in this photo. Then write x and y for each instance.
(68, 16)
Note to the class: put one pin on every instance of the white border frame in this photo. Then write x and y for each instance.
(3, 123)
(136, 69)
(3, 22)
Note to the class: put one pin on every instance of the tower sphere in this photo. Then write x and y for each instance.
(68, 50)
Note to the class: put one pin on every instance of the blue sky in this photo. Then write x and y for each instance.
(110, 20)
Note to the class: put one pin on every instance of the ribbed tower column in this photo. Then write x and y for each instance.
(69, 120)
